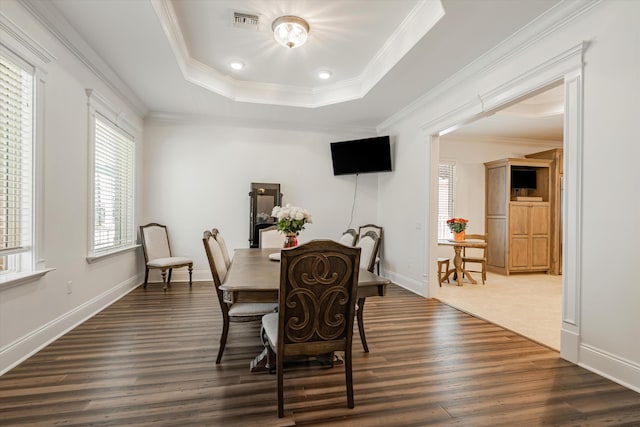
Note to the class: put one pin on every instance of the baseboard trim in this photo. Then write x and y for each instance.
(407, 283)
(611, 367)
(18, 351)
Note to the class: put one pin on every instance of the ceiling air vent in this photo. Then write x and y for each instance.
(246, 20)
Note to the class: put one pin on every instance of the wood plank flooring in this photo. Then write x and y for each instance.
(149, 360)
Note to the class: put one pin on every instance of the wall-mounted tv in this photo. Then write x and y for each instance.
(361, 156)
(523, 178)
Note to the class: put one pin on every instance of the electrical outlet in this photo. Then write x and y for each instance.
(69, 287)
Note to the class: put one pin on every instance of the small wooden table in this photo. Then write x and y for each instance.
(457, 259)
(253, 277)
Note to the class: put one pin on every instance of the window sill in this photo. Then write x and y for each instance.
(97, 257)
(14, 279)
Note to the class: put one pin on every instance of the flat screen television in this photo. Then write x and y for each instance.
(523, 178)
(361, 156)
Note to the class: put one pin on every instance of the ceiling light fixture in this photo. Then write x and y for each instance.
(236, 65)
(290, 31)
(324, 74)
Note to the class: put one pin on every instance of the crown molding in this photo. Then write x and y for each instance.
(551, 21)
(24, 41)
(502, 140)
(419, 21)
(160, 118)
(49, 16)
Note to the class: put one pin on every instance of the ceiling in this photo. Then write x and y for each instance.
(172, 56)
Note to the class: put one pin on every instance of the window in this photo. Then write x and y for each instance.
(446, 197)
(16, 165)
(113, 187)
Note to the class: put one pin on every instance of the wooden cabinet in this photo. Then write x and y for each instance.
(555, 206)
(517, 222)
(529, 236)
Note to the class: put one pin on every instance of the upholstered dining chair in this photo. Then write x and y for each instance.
(270, 237)
(475, 255)
(318, 288)
(157, 253)
(369, 244)
(223, 246)
(364, 229)
(236, 312)
(349, 237)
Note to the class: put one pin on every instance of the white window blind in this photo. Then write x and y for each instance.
(113, 187)
(446, 198)
(16, 160)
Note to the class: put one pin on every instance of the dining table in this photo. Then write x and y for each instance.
(254, 276)
(458, 268)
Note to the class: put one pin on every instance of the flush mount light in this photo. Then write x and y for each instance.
(290, 31)
(324, 74)
(236, 65)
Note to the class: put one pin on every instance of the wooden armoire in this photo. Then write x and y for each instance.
(518, 221)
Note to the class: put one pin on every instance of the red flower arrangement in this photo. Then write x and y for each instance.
(457, 224)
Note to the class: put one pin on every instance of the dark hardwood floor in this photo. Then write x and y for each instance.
(149, 360)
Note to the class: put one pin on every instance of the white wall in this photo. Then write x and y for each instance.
(198, 177)
(34, 313)
(607, 298)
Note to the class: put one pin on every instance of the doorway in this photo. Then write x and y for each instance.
(529, 304)
(567, 68)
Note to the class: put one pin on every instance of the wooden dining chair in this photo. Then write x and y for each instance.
(318, 289)
(223, 246)
(349, 237)
(475, 255)
(364, 229)
(270, 237)
(369, 244)
(236, 312)
(157, 254)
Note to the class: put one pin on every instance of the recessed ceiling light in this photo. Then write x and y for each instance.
(324, 74)
(236, 65)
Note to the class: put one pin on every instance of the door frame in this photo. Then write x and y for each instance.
(565, 68)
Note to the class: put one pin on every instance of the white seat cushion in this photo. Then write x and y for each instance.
(168, 262)
(270, 327)
(252, 308)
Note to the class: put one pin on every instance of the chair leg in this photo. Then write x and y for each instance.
(442, 276)
(169, 280)
(223, 338)
(146, 277)
(164, 279)
(190, 273)
(359, 317)
(280, 375)
(348, 373)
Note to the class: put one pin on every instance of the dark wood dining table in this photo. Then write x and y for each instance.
(254, 277)
(458, 268)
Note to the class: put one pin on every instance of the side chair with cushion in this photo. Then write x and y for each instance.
(318, 289)
(364, 229)
(270, 237)
(369, 244)
(157, 253)
(475, 255)
(223, 246)
(236, 312)
(349, 237)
